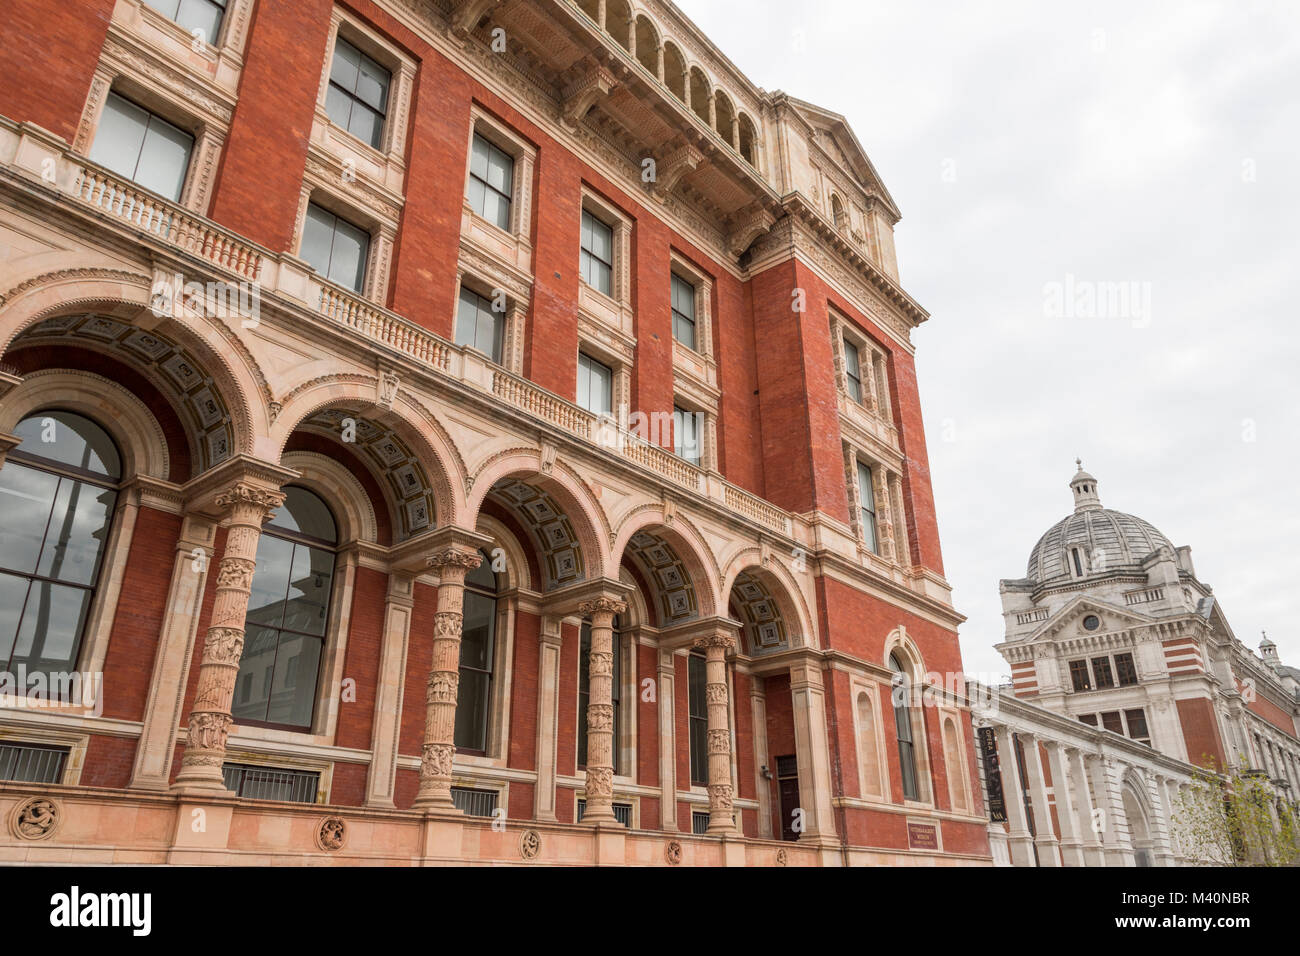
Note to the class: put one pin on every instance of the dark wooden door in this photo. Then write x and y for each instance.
(787, 782)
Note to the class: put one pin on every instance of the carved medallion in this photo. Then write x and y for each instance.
(673, 852)
(332, 834)
(782, 857)
(530, 844)
(35, 819)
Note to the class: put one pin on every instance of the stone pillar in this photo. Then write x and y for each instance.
(550, 642)
(248, 505)
(1067, 819)
(667, 740)
(721, 792)
(1090, 825)
(1019, 839)
(450, 563)
(600, 709)
(762, 759)
(1115, 836)
(1161, 822)
(1049, 853)
(398, 607)
(600, 13)
(713, 110)
(812, 750)
(162, 714)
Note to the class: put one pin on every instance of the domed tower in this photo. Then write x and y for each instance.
(1110, 625)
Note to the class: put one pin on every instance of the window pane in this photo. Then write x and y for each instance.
(293, 687)
(166, 7)
(307, 606)
(477, 630)
(501, 171)
(683, 297)
(471, 711)
(120, 136)
(164, 159)
(338, 106)
(13, 592)
(595, 385)
(478, 159)
(467, 318)
(270, 581)
(346, 66)
(318, 239)
(304, 513)
(372, 85)
(201, 15)
(51, 627)
(77, 531)
(366, 125)
(256, 673)
(348, 256)
(488, 335)
(26, 498)
(73, 441)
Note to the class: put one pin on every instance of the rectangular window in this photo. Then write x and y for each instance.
(335, 248)
(478, 325)
(853, 371)
(596, 264)
(1112, 722)
(477, 654)
(1079, 675)
(867, 506)
(357, 99)
(595, 385)
(683, 306)
(1126, 670)
(1089, 719)
(144, 148)
(1101, 672)
(271, 783)
(697, 705)
(32, 763)
(473, 802)
(686, 435)
(195, 16)
(584, 694)
(491, 182)
(699, 822)
(1137, 725)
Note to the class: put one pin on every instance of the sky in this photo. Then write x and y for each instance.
(1044, 155)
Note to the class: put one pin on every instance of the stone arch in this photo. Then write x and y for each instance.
(955, 764)
(871, 762)
(133, 427)
(673, 556)
(619, 23)
(748, 135)
(725, 116)
(1137, 811)
(353, 509)
(94, 285)
(570, 529)
(676, 72)
(909, 655)
(422, 463)
(591, 8)
(776, 583)
(647, 44)
(517, 571)
(701, 90)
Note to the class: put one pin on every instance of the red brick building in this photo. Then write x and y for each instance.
(437, 421)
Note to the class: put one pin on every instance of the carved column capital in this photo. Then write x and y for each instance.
(602, 606)
(454, 557)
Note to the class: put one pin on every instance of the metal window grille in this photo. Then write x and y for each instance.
(474, 803)
(271, 783)
(622, 812)
(31, 763)
(699, 822)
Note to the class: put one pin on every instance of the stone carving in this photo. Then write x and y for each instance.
(720, 741)
(782, 857)
(673, 852)
(208, 731)
(715, 693)
(35, 819)
(442, 687)
(244, 494)
(332, 834)
(600, 717)
(530, 845)
(446, 625)
(236, 574)
(600, 782)
(223, 645)
(720, 798)
(436, 761)
(388, 383)
(454, 558)
(603, 604)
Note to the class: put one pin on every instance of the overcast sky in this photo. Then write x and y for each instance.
(1121, 142)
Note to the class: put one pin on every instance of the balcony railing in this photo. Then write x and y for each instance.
(388, 328)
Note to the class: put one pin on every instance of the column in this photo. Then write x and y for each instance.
(1019, 839)
(721, 792)
(667, 740)
(1161, 822)
(162, 714)
(1068, 821)
(713, 110)
(1049, 850)
(1115, 837)
(550, 643)
(600, 709)
(450, 564)
(758, 708)
(1090, 825)
(812, 751)
(398, 606)
(247, 505)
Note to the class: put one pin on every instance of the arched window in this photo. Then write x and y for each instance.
(584, 696)
(57, 494)
(903, 722)
(288, 614)
(867, 746)
(837, 212)
(477, 651)
(953, 763)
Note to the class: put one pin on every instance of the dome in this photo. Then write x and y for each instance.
(1107, 540)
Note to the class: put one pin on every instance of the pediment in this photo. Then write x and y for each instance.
(837, 140)
(1068, 621)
